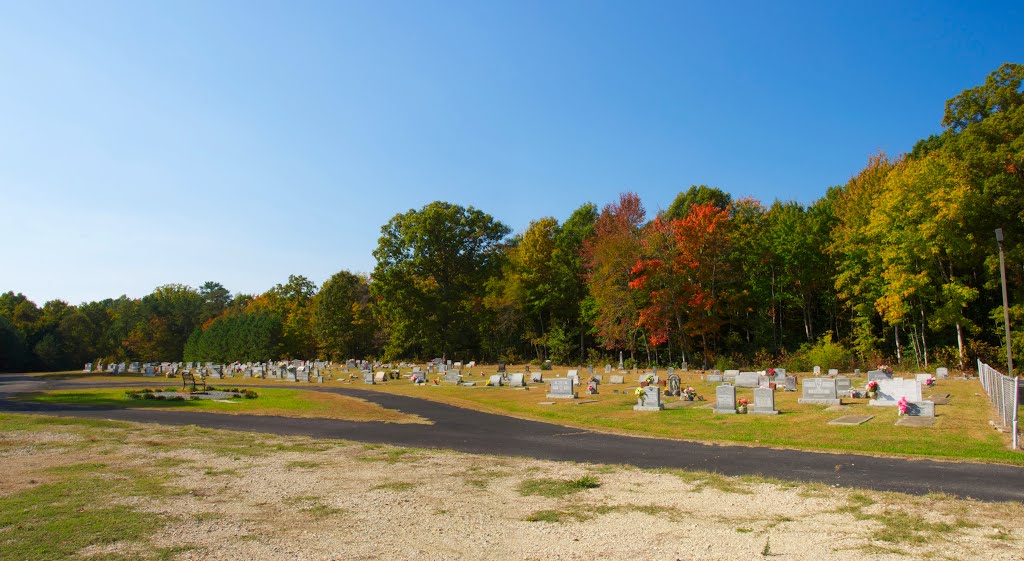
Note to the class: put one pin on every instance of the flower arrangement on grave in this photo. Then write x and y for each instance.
(872, 389)
(639, 393)
(649, 379)
(930, 381)
(885, 368)
(689, 394)
(901, 405)
(742, 405)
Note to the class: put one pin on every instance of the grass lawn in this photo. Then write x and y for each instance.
(279, 402)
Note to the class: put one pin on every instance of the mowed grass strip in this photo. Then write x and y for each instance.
(277, 402)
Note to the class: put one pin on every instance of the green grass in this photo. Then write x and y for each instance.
(556, 488)
(281, 402)
(581, 513)
(394, 486)
(55, 520)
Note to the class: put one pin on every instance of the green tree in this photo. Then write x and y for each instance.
(343, 319)
(432, 267)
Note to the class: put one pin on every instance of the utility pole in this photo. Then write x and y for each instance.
(1006, 303)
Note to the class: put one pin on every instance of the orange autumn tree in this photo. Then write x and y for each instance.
(609, 254)
(681, 265)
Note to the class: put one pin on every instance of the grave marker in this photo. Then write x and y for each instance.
(746, 380)
(891, 391)
(820, 391)
(616, 379)
(764, 402)
(562, 388)
(516, 380)
(650, 400)
(844, 386)
(725, 399)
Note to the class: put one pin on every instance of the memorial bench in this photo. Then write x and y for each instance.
(188, 378)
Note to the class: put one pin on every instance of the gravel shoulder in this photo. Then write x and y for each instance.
(254, 496)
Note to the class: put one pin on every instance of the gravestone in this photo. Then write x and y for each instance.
(419, 377)
(516, 380)
(217, 372)
(575, 375)
(817, 371)
(88, 367)
(646, 375)
(730, 375)
(941, 373)
(673, 385)
(891, 391)
(764, 402)
(379, 377)
(590, 370)
(921, 408)
(616, 379)
(820, 391)
(746, 380)
(599, 378)
(501, 367)
(301, 374)
(537, 377)
(455, 376)
(923, 378)
(650, 400)
(133, 368)
(856, 371)
(763, 381)
(833, 372)
(843, 386)
(621, 364)
(290, 374)
(368, 377)
(715, 376)
(725, 399)
(457, 365)
(671, 371)
(780, 375)
(878, 375)
(607, 369)
(149, 372)
(562, 388)
(496, 380)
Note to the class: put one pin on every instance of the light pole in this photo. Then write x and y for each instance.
(1006, 303)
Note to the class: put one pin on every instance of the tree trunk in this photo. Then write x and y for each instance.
(924, 343)
(899, 351)
(960, 344)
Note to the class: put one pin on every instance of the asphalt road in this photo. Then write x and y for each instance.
(484, 433)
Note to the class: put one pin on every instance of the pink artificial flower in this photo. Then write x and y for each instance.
(902, 405)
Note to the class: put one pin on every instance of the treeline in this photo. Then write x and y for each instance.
(899, 264)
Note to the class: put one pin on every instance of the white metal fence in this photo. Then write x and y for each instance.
(1002, 390)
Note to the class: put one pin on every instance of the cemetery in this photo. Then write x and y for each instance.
(943, 416)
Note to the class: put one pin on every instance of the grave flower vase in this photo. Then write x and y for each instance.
(644, 384)
(742, 409)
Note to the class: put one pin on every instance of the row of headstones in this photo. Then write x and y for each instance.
(829, 391)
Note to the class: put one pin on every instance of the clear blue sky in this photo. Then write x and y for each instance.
(146, 143)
